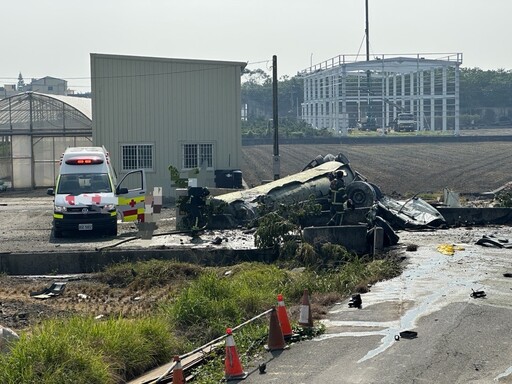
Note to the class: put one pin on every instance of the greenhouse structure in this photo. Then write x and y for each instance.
(35, 129)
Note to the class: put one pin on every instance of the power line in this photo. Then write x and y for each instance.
(143, 74)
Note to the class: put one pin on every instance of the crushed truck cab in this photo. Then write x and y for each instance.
(87, 196)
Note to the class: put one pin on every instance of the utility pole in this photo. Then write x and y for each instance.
(369, 115)
(277, 161)
(367, 32)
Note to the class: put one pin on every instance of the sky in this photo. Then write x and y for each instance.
(55, 37)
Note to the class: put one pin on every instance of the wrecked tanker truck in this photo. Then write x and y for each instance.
(368, 204)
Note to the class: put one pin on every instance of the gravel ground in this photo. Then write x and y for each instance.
(26, 222)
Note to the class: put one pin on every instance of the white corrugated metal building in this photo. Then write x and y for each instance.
(153, 113)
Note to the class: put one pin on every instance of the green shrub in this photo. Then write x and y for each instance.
(273, 230)
(504, 199)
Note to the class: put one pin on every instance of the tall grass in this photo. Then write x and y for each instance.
(83, 350)
(217, 301)
(344, 280)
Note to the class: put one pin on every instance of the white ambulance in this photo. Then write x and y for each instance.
(87, 196)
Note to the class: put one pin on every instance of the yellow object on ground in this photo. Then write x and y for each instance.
(449, 249)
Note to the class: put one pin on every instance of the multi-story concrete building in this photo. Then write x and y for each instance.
(345, 92)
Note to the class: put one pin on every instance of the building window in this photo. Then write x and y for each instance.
(137, 156)
(197, 156)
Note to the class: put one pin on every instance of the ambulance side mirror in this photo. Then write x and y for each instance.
(50, 192)
(121, 191)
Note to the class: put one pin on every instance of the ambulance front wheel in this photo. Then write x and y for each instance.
(113, 230)
(57, 233)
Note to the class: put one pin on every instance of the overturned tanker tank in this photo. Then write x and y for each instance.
(368, 203)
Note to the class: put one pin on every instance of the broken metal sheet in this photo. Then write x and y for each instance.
(56, 289)
(451, 199)
(242, 205)
(491, 241)
(412, 213)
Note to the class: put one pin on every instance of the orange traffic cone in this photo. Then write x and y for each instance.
(177, 372)
(233, 368)
(282, 315)
(305, 318)
(275, 335)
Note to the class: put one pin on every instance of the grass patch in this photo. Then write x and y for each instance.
(147, 274)
(219, 299)
(84, 350)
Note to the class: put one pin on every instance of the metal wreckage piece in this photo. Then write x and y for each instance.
(239, 208)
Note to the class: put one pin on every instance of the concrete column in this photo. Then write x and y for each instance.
(306, 99)
(445, 97)
(387, 106)
(394, 96)
(411, 103)
(432, 100)
(359, 98)
(457, 105)
(422, 102)
(402, 99)
(344, 115)
(383, 109)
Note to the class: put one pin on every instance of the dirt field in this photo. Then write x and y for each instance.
(403, 168)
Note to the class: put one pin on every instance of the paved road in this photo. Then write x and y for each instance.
(460, 339)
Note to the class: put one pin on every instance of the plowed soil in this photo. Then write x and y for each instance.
(402, 168)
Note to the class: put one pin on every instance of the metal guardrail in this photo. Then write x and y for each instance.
(209, 344)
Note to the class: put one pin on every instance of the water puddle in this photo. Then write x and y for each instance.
(430, 282)
(504, 374)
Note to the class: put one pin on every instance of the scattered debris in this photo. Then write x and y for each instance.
(7, 336)
(355, 301)
(449, 249)
(408, 334)
(477, 294)
(56, 289)
(217, 240)
(492, 241)
(507, 274)
(411, 248)
(414, 213)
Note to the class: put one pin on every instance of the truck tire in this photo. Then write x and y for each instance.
(378, 193)
(361, 193)
(113, 230)
(57, 233)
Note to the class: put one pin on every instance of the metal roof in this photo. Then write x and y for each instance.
(44, 112)
(406, 63)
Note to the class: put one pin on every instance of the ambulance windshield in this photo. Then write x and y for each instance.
(76, 184)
